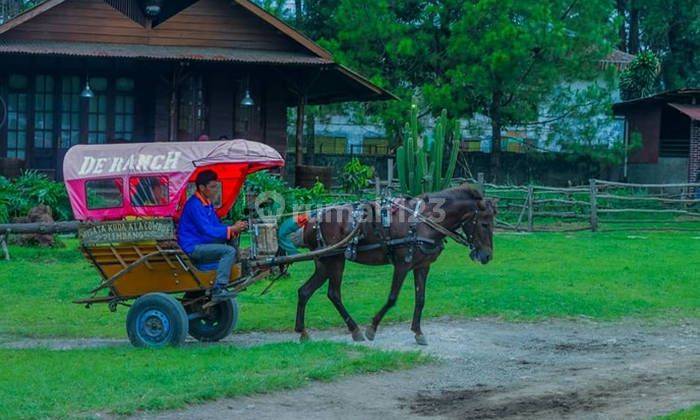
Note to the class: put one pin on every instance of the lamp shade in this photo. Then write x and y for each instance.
(247, 99)
(87, 92)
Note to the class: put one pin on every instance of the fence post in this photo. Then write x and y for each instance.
(3, 247)
(594, 205)
(530, 207)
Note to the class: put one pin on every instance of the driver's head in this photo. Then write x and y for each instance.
(206, 183)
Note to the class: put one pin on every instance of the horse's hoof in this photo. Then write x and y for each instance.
(370, 332)
(357, 335)
(304, 337)
(421, 340)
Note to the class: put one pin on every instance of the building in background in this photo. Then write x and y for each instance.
(668, 125)
(103, 71)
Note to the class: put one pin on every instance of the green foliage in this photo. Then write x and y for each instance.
(280, 198)
(19, 196)
(641, 77)
(356, 176)
(504, 65)
(420, 162)
(671, 29)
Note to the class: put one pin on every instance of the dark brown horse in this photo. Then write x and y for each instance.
(462, 208)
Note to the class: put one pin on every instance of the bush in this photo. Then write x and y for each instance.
(294, 198)
(356, 176)
(19, 196)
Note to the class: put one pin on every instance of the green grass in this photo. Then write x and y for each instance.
(83, 383)
(689, 414)
(600, 275)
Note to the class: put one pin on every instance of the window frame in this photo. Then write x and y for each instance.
(87, 197)
(158, 177)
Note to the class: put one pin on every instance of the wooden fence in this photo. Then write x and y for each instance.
(601, 205)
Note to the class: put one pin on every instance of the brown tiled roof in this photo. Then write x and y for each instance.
(159, 52)
(679, 96)
(619, 57)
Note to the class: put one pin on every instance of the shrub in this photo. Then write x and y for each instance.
(19, 196)
(294, 198)
(356, 176)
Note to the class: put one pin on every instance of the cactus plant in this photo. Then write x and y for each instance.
(421, 166)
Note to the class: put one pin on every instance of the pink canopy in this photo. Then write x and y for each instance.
(110, 182)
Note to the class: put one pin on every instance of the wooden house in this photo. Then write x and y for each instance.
(103, 71)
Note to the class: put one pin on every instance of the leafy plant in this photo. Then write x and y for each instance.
(356, 176)
(274, 187)
(420, 165)
(641, 77)
(29, 190)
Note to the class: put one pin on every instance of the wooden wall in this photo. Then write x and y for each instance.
(207, 23)
(646, 120)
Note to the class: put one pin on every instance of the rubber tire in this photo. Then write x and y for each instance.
(168, 307)
(225, 321)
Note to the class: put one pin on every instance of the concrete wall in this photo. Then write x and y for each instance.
(665, 171)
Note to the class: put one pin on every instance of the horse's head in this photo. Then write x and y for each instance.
(478, 228)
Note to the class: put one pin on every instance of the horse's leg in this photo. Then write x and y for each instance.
(420, 275)
(305, 292)
(335, 268)
(400, 273)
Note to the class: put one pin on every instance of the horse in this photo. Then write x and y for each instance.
(411, 238)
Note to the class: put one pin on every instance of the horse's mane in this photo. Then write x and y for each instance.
(462, 192)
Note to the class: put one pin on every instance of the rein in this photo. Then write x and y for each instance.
(458, 237)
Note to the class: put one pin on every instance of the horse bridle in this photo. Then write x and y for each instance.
(465, 239)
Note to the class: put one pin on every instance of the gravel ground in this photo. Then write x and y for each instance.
(487, 369)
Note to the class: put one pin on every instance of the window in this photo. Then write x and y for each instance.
(43, 112)
(149, 191)
(70, 111)
(104, 193)
(17, 115)
(97, 111)
(375, 146)
(191, 188)
(192, 112)
(329, 145)
(124, 109)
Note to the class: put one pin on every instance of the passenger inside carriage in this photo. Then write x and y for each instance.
(202, 235)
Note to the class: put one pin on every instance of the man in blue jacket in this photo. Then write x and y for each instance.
(202, 235)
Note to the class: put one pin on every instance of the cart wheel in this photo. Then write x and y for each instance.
(216, 323)
(156, 320)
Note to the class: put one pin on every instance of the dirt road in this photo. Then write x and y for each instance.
(494, 369)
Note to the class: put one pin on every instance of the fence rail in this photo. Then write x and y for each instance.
(601, 205)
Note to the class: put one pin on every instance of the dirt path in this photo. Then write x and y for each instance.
(487, 369)
(494, 369)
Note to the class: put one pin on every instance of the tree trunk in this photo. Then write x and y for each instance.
(634, 28)
(621, 6)
(299, 13)
(496, 125)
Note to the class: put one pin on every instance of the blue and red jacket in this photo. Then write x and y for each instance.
(200, 225)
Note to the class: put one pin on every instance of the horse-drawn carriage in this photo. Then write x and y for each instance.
(128, 198)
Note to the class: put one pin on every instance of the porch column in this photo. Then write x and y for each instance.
(172, 122)
(299, 151)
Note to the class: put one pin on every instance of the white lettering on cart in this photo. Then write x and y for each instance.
(171, 160)
(88, 164)
(132, 163)
(157, 162)
(99, 166)
(144, 162)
